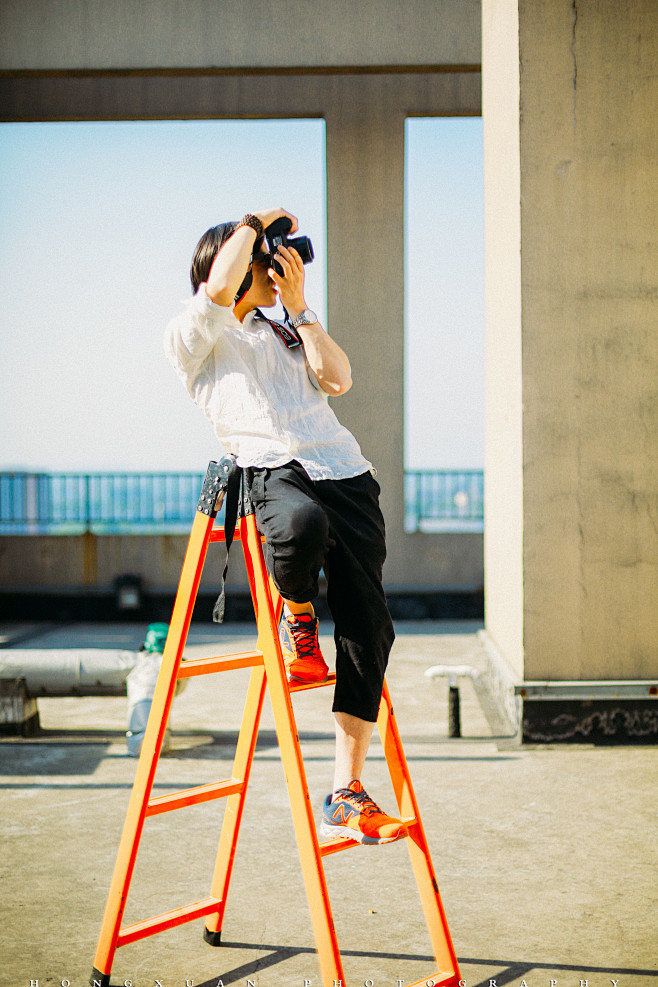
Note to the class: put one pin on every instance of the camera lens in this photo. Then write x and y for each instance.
(275, 234)
(304, 248)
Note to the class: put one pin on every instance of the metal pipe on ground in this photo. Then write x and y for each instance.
(95, 672)
(65, 672)
(453, 673)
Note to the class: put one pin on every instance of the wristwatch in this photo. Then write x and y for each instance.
(305, 318)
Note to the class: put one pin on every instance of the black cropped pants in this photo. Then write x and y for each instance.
(335, 525)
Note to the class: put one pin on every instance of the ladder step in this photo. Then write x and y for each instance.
(222, 663)
(336, 845)
(345, 843)
(246, 659)
(218, 534)
(167, 920)
(303, 686)
(437, 980)
(192, 796)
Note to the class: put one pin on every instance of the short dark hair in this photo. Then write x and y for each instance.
(206, 250)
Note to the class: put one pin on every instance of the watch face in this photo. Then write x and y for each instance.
(305, 318)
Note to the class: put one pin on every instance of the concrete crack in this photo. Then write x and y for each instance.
(574, 61)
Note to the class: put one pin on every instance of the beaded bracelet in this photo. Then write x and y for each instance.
(255, 224)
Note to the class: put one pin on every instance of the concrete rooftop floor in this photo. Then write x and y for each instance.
(545, 856)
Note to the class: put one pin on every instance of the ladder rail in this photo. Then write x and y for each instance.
(152, 743)
(303, 819)
(228, 840)
(421, 860)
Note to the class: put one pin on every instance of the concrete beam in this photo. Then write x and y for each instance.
(109, 35)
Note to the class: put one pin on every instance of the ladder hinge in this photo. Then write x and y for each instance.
(215, 484)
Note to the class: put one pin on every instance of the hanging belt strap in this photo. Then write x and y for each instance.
(222, 484)
(232, 499)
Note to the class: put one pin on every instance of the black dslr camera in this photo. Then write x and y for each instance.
(276, 236)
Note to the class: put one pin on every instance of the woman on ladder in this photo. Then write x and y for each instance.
(264, 386)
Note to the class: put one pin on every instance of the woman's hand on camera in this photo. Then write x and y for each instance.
(291, 284)
(267, 217)
(230, 265)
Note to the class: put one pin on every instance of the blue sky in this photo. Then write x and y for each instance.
(98, 223)
(444, 294)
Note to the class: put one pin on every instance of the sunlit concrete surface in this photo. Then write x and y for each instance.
(545, 856)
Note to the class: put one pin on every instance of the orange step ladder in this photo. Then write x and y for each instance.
(267, 671)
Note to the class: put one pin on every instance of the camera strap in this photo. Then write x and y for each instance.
(285, 332)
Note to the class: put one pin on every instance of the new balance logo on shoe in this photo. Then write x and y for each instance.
(354, 815)
(341, 814)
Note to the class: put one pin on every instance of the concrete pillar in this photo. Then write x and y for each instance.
(572, 240)
(365, 232)
(365, 136)
(504, 521)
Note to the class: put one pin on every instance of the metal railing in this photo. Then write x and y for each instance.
(152, 503)
(444, 500)
(103, 503)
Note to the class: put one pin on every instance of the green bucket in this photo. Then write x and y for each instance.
(156, 636)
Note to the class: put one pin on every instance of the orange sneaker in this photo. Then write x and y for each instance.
(353, 814)
(301, 652)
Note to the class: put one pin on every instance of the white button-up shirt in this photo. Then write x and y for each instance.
(262, 398)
